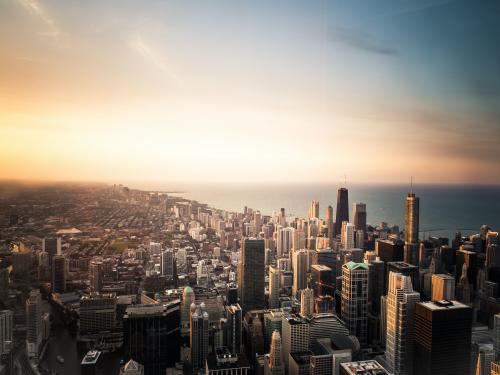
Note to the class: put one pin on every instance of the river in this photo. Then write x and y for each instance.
(64, 344)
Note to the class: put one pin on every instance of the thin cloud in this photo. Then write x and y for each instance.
(53, 31)
(152, 56)
(416, 7)
(35, 8)
(361, 40)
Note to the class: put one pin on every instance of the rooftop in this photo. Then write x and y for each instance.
(223, 358)
(302, 358)
(354, 266)
(443, 305)
(91, 357)
(321, 267)
(370, 367)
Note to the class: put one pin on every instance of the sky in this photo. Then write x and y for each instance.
(250, 91)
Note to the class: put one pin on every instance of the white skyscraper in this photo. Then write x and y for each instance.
(347, 235)
(295, 335)
(307, 303)
(299, 239)
(314, 210)
(33, 323)
(274, 362)
(284, 241)
(401, 301)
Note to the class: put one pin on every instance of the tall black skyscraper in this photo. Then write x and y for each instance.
(233, 328)
(58, 274)
(152, 335)
(442, 338)
(52, 246)
(342, 213)
(251, 275)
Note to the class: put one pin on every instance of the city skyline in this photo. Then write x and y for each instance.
(150, 282)
(273, 187)
(226, 91)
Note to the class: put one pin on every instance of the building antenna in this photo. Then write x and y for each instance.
(345, 180)
(411, 185)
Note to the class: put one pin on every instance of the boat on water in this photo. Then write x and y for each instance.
(60, 359)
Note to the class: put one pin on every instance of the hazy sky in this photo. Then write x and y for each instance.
(250, 90)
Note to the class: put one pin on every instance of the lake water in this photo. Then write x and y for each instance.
(444, 209)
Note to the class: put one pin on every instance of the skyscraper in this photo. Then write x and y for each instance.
(43, 266)
(251, 274)
(284, 241)
(188, 298)
(322, 281)
(307, 303)
(359, 216)
(6, 329)
(495, 368)
(496, 336)
(355, 299)
(463, 290)
(314, 210)
(405, 269)
(442, 338)
(329, 223)
(401, 301)
(274, 363)
(389, 250)
(295, 336)
(485, 357)
(95, 275)
(347, 235)
(4, 282)
(52, 246)
(412, 228)
(97, 313)
(168, 263)
(274, 287)
(33, 323)
(233, 328)
(469, 258)
(376, 283)
(342, 213)
(443, 287)
(58, 274)
(152, 336)
(300, 264)
(198, 337)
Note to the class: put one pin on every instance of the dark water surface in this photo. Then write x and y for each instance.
(444, 209)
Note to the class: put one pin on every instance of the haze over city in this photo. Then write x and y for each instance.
(281, 91)
(265, 187)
